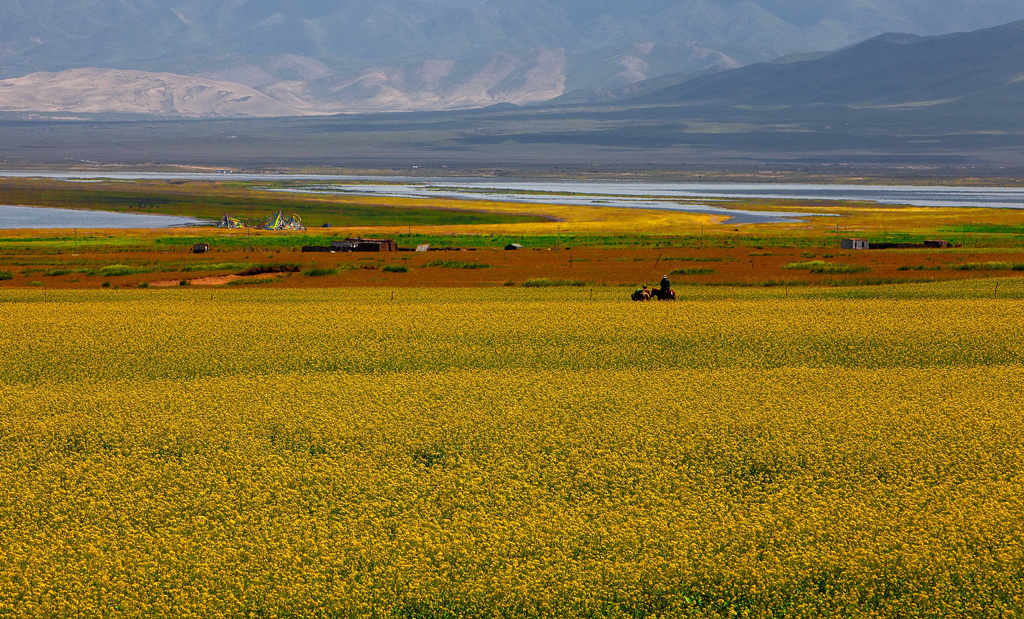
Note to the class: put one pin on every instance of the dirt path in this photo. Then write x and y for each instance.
(215, 280)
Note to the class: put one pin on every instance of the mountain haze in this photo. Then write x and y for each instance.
(273, 57)
(891, 69)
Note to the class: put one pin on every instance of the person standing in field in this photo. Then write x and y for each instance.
(666, 286)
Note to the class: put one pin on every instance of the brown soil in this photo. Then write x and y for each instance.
(618, 266)
(214, 280)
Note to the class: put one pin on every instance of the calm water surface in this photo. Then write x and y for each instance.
(997, 197)
(17, 217)
(399, 190)
(693, 197)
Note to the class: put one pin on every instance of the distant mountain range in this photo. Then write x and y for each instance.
(889, 70)
(195, 58)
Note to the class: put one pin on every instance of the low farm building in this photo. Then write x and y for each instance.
(365, 245)
(863, 244)
(350, 245)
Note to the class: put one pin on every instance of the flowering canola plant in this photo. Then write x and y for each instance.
(509, 451)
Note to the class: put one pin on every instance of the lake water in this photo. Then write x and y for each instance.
(693, 197)
(20, 217)
(979, 197)
(690, 197)
(417, 190)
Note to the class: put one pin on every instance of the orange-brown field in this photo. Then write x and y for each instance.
(496, 267)
(565, 244)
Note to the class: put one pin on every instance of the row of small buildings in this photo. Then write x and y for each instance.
(355, 245)
(864, 244)
(352, 245)
(376, 245)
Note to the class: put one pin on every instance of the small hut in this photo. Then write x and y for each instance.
(855, 244)
(365, 245)
(200, 248)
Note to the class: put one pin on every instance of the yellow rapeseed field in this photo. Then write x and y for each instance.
(512, 452)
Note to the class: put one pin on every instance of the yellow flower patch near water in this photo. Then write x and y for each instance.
(515, 452)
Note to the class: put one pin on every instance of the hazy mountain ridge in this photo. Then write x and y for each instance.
(503, 79)
(323, 56)
(886, 70)
(134, 92)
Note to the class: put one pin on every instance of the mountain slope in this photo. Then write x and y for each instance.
(503, 79)
(135, 92)
(886, 70)
(375, 55)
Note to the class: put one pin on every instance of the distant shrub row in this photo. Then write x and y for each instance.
(692, 272)
(457, 264)
(988, 266)
(119, 270)
(822, 267)
(260, 269)
(321, 272)
(694, 259)
(548, 283)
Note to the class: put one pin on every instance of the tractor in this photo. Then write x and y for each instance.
(656, 294)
